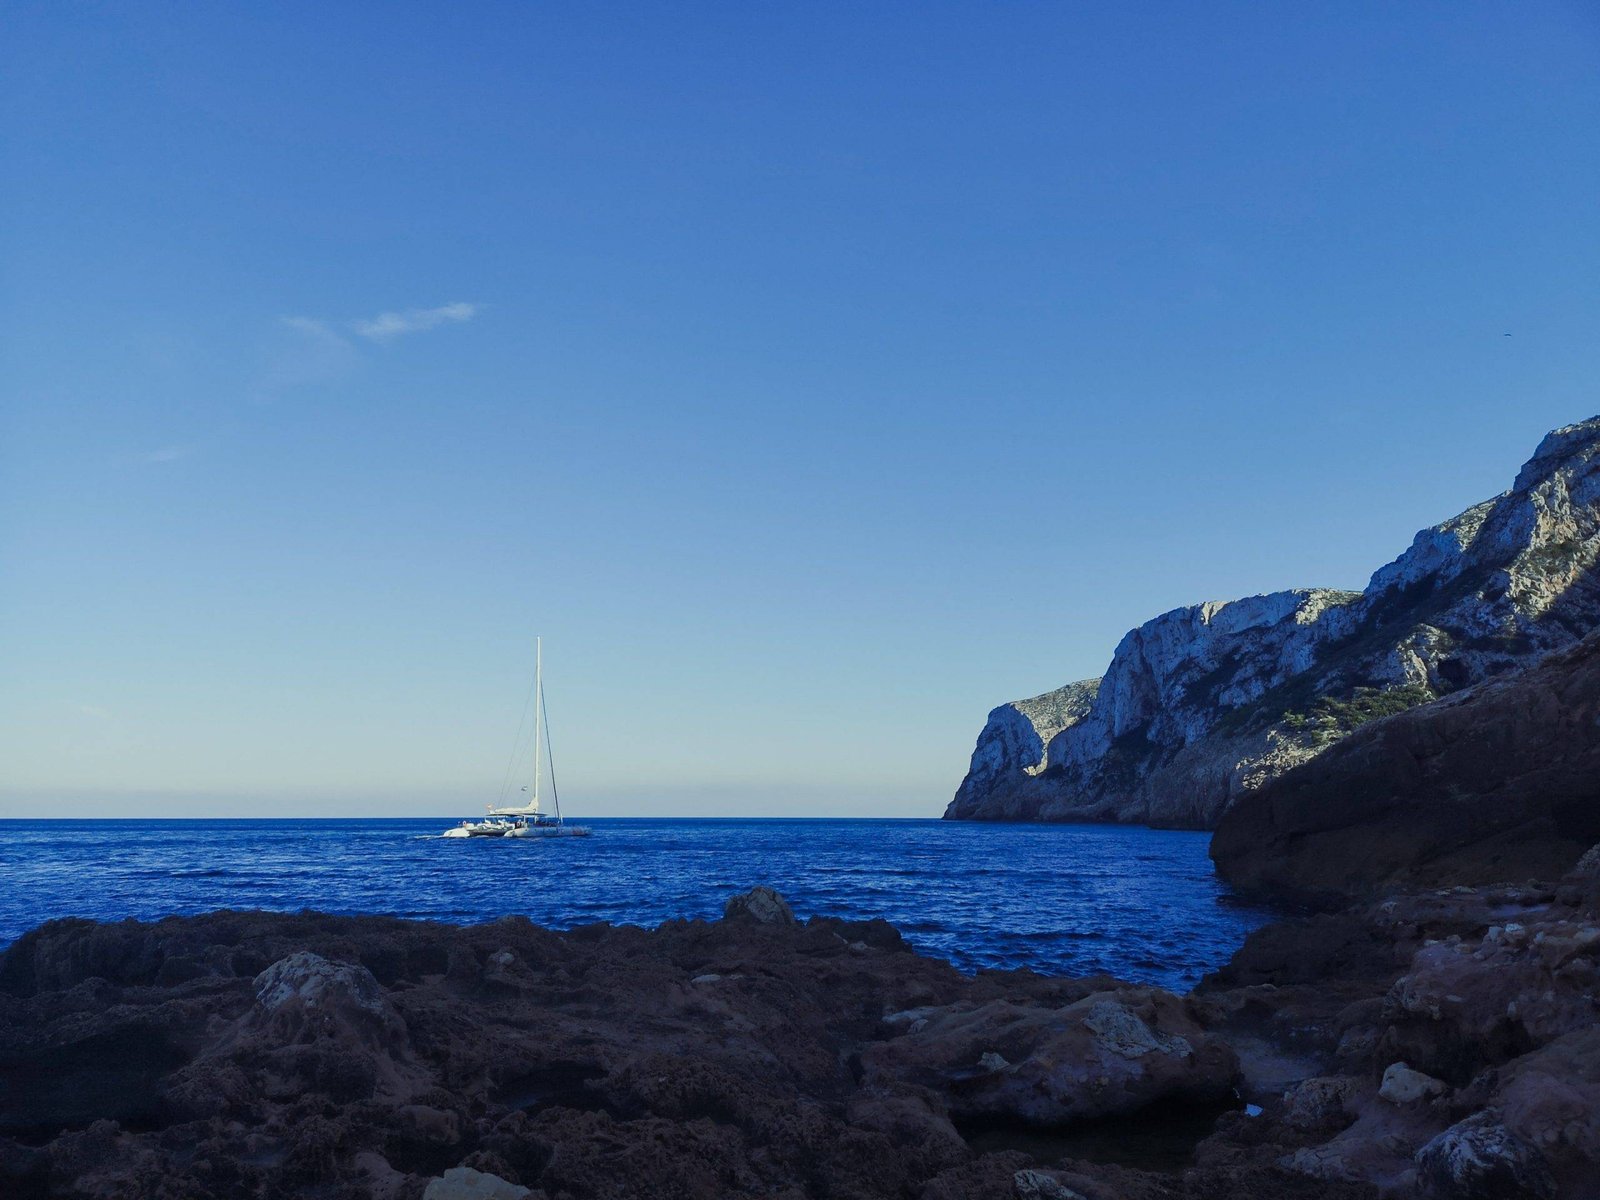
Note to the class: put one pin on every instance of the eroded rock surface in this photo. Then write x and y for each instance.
(1453, 1038)
(1480, 1159)
(1110, 1053)
(1439, 1045)
(761, 905)
(266, 1055)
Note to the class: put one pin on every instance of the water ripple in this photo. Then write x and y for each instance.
(1142, 904)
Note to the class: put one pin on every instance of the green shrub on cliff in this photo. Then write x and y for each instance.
(1331, 718)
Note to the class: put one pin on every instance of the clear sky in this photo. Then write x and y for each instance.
(812, 376)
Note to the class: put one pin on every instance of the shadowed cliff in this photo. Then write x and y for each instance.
(1498, 782)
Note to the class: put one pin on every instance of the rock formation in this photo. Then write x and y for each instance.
(1439, 1045)
(268, 1055)
(760, 904)
(1499, 781)
(1205, 704)
(1435, 1046)
(1110, 1053)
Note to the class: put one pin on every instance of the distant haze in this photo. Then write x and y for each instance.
(811, 377)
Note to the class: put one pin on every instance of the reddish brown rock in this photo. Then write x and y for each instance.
(1466, 1037)
(262, 1055)
(1107, 1054)
(274, 1055)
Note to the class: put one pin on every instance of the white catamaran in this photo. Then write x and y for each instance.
(527, 820)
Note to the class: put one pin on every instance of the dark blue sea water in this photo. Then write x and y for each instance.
(1142, 904)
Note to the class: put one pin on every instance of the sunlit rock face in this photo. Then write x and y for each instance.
(1011, 750)
(1204, 704)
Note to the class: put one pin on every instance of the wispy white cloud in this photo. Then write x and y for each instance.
(168, 454)
(321, 351)
(315, 352)
(315, 330)
(389, 325)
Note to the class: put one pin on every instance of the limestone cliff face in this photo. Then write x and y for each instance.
(1206, 703)
(1010, 750)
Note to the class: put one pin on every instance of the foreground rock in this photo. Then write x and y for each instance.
(1108, 1054)
(463, 1183)
(1435, 1046)
(266, 1055)
(1204, 704)
(1447, 1043)
(1501, 781)
(761, 905)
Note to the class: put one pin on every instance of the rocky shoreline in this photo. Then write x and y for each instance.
(1439, 1043)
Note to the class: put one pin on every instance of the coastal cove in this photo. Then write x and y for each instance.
(1053, 551)
(1069, 900)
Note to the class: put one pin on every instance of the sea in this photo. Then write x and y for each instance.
(1140, 904)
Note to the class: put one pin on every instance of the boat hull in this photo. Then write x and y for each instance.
(548, 831)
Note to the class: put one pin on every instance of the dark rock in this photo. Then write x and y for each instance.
(346, 1057)
(1500, 782)
(1107, 1054)
(1479, 1159)
(1587, 867)
(1486, 996)
(1323, 1104)
(306, 1054)
(760, 905)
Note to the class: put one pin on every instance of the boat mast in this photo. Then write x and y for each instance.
(554, 794)
(538, 700)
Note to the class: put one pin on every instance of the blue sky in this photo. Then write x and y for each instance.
(812, 376)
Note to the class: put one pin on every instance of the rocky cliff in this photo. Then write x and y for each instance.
(1204, 704)
(1499, 781)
